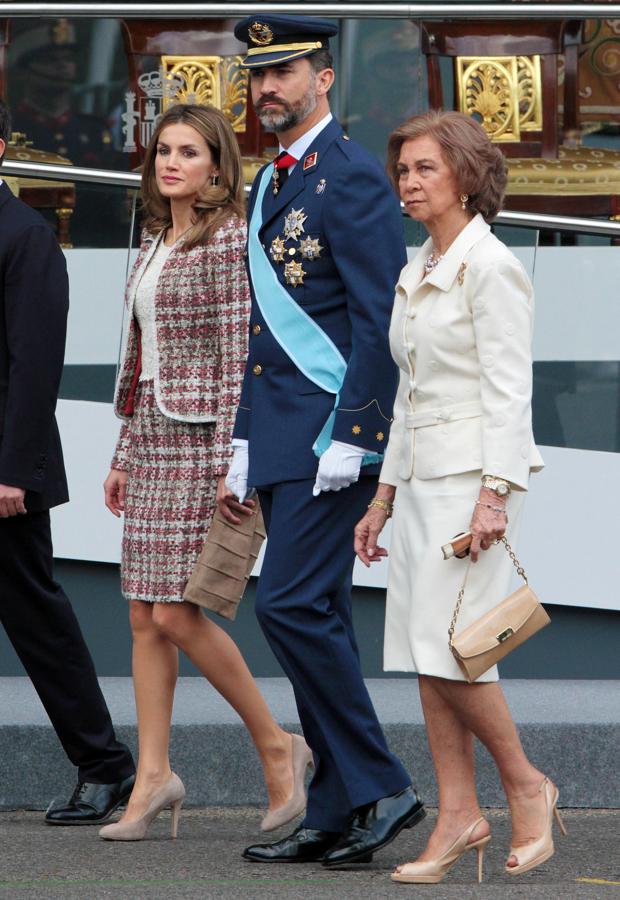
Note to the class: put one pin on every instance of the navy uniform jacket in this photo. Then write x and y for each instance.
(34, 300)
(348, 290)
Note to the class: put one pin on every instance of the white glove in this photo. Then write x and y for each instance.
(237, 478)
(339, 467)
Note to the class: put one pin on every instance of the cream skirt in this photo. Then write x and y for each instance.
(423, 587)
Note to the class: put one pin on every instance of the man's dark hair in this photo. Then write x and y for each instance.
(322, 59)
(5, 125)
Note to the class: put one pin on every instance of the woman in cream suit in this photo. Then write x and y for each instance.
(459, 459)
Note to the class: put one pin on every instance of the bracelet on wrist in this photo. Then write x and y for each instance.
(385, 505)
(499, 509)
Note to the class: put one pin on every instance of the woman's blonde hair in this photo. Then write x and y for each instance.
(215, 203)
(478, 165)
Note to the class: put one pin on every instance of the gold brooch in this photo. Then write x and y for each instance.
(294, 273)
(461, 274)
(357, 429)
(260, 33)
(310, 248)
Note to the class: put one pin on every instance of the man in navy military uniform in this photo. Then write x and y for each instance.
(325, 248)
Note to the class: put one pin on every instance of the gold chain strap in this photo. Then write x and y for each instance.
(457, 608)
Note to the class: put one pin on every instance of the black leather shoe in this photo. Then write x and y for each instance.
(374, 826)
(90, 803)
(303, 845)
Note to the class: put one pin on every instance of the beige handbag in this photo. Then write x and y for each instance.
(225, 563)
(498, 632)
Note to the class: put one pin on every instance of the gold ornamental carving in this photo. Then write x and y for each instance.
(209, 81)
(503, 92)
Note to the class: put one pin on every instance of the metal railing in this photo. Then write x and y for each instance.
(132, 180)
(343, 10)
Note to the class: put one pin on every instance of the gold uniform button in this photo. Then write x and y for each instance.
(292, 251)
(257, 370)
(256, 329)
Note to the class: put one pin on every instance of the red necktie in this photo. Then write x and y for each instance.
(284, 160)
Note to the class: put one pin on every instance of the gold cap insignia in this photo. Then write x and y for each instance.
(260, 33)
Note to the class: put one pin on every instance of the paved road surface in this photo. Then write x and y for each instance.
(38, 861)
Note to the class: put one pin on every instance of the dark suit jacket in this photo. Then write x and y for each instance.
(347, 289)
(34, 301)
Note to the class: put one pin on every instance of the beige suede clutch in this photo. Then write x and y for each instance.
(225, 563)
(496, 634)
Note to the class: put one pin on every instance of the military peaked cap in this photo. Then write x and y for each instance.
(273, 40)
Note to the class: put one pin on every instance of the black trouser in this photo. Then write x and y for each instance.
(41, 625)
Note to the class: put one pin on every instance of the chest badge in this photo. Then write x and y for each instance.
(461, 274)
(294, 273)
(310, 248)
(294, 224)
(320, 188)
(310, 161)
(277, 249)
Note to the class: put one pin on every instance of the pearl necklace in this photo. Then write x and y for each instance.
(431, 262)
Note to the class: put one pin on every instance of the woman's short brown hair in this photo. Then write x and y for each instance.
(478, 165)
(216, 203)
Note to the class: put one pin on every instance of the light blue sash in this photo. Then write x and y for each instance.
(307, 345)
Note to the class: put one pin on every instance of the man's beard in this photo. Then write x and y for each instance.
(292, 113)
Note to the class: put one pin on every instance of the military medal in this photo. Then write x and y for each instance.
(310, 248)
(277, 249)
(321, 186)
(294, 273)
(294, 224)
(275, 180)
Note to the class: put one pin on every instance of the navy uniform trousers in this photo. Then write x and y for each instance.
(303, 604)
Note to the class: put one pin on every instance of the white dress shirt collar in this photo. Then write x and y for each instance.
(299, 147)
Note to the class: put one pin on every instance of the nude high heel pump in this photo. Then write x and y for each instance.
(171, 795)
(302, 758)
(532, 855)
(432, 871)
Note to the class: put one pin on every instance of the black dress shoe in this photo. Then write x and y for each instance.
(374, 826)
(303, 845)
(90, 803)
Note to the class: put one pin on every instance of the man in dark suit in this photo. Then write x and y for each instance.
(34, 610)
(325, 249)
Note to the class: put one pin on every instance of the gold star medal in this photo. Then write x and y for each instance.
(294, 224)
(310, 248)
(294, 273)
(277, 249)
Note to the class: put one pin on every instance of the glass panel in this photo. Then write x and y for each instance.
(577, 345)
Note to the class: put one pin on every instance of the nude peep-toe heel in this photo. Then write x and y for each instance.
(302, 758)
(432, 871)
(532, 855)
(170, 795)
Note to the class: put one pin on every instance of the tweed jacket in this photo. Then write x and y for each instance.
(202, 306)
(462, 340)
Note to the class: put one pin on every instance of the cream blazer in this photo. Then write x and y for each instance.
(462, 340)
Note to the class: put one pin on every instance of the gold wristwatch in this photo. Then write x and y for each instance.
(499, 485)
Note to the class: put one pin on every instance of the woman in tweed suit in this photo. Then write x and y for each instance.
(177, 391)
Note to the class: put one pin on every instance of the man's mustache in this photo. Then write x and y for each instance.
(271, 99)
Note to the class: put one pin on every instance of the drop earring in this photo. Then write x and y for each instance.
(215, 179)
(464, 198)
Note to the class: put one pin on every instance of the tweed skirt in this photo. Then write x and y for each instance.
(170, 501)
(423, 587)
